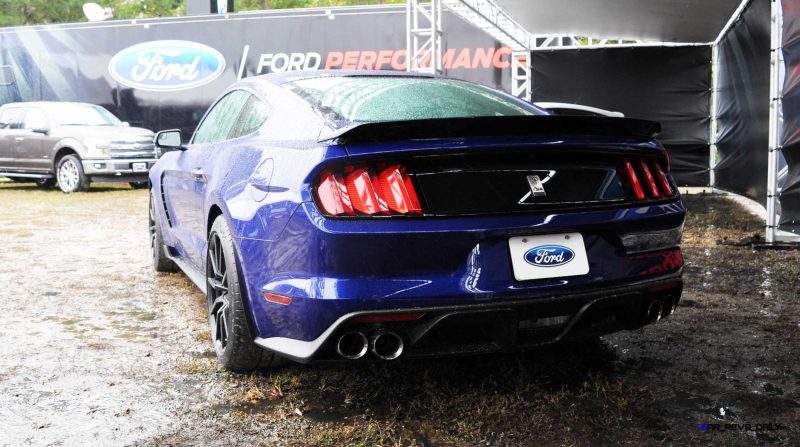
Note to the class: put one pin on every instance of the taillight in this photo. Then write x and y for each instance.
(633, 179)
(649, 180)
(645, 178)
(663, 181)
(367, 190)
(333, 195)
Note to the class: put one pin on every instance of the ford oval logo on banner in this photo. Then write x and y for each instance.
(166, 65)
(549, 255)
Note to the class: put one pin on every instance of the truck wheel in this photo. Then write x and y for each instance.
(46, 183)
(161, 263)
(70, 174)
(227, 316)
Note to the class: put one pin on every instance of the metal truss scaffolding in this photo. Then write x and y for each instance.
(424, 36)
(424, 33)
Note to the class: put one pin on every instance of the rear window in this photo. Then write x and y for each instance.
(373, 98)
(83, 115)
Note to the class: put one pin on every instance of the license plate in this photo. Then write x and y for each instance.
(139, 167)
(548, 256)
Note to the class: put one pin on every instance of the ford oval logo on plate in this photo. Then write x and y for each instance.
(549, 255)
(166, 65)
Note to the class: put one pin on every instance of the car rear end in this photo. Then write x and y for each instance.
(460, 236)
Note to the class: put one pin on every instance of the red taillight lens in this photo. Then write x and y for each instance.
(650, 181)
(332, 193)
(662, 179)
(362, 192)
(633, 180)
(645, 178)
(396, 188)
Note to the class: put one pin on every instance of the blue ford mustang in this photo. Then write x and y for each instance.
(349, 215)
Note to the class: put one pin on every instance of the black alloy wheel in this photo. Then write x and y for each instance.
(227, 314)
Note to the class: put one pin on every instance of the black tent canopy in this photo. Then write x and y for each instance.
(656, 20)
(705, 68)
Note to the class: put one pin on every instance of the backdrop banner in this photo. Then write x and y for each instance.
(164, 73)
(743, 104)
(666, 84)
(790, 193)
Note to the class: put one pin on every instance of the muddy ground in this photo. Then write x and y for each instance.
(97, 349)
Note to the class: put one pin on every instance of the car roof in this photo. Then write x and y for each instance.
(48, 103)
(291, 76)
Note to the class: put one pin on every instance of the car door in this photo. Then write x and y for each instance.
(32, 143)
(10, 122)
(185, 184)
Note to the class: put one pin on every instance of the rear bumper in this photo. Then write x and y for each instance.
(503, 326)
(333, 268)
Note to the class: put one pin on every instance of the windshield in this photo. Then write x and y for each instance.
(386, 98)
(83, 115)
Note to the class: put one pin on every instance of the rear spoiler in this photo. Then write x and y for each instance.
(494, 125)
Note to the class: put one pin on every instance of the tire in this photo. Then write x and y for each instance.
(69, 173)
(138, 185)
(227, 315)
(46, 183)
(161, 262)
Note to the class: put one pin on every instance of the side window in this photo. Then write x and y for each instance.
(35, 119)
(254, 114)
(218, 122)
(11, 118)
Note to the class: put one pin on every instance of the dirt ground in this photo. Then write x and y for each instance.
(97, 349)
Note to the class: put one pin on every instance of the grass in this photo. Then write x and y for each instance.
(620, 390)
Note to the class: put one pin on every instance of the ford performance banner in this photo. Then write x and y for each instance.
(164, 73)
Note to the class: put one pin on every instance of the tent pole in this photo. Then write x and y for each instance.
(774, 120)
(712, 134)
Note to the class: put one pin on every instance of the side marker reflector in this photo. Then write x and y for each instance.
(279, 299)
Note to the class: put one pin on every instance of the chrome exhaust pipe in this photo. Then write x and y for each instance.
(654, 311)
(352, 345)
(668, 306)
(387, 345)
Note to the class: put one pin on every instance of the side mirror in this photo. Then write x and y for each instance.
(169, 140)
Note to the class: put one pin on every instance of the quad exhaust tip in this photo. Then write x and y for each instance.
(387, 345)
(352, 345)
(668, 306)
(654, 311)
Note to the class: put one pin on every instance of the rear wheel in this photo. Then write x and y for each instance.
(70, 174)
(227, 316)
(161, 262)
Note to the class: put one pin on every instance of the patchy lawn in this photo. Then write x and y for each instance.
(97, 349)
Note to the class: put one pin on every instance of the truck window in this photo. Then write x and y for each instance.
(35, 119)
(11, 118)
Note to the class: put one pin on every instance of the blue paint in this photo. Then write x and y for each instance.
(263, 183)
